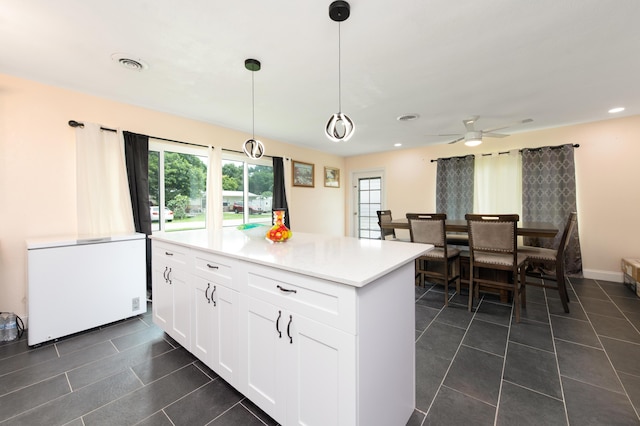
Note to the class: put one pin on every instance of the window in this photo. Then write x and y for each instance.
(177, 182)
(247, 190)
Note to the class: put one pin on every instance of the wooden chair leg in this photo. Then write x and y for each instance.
(562, 288)
(471, 285)
(459, 272)
(516, 294)
(446, 282)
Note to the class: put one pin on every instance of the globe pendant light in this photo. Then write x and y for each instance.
(339, 127)
(253, 148)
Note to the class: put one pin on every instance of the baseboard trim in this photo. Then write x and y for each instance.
(603, 275)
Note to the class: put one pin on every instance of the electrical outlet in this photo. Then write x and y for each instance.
(135, 303)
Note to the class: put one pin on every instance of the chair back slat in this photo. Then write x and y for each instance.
(383, 217)
(427, 228)
(493, 233)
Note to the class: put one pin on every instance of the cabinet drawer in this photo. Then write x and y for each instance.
(324, 301)
(170, 253)
(212, 267)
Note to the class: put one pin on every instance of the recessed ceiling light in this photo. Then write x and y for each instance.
(397, 144)
(408, 117)
(617, 109)
(128, 62)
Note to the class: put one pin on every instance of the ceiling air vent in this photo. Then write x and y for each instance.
(408, 117)
(127, 62)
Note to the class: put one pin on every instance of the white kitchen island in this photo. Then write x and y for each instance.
(318, 330)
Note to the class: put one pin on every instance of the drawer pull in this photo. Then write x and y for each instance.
(168, 253)
(278, 325)
(214, 290)
(206, 296)
(289, 326)
(210, 266)
(286, 290)
(164, 274)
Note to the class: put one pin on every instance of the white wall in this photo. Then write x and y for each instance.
(607, 175)
(38, 174)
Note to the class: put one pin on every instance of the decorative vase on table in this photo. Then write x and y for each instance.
(278, 233)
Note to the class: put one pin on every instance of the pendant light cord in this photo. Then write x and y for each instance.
(253, 109)
(339, 71)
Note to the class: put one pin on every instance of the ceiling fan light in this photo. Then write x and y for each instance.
(339, 128)
(473, 142)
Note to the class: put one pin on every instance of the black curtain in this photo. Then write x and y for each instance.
(279, 194)
(136, 150)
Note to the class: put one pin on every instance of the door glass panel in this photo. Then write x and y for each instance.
(369, 196)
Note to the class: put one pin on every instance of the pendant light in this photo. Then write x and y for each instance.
(253, 148)
(340, 127)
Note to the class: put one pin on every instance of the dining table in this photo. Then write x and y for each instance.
(525, 229)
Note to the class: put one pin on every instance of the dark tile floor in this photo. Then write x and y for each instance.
(475, 368)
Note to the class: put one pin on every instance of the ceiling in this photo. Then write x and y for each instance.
(559, 62)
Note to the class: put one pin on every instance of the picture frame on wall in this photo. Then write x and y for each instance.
(332, 177)
(303, 174)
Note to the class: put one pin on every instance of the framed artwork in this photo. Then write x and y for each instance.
(302, 173)
(332, 177)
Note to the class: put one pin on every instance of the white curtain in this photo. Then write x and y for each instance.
(104, 203)
(214, 189)
(498, 183)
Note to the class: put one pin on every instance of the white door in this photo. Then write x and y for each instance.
(368, 196)
(162, 295)
(266, 364)
(181, 326)
(225, 333)
(321, 374)
(203, 321)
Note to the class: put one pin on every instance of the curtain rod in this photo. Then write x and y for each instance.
(74, 123)
(506, 152)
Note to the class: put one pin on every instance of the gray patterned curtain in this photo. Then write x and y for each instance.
(549, 195)
(454, 186)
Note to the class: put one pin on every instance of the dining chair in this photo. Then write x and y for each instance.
(385, 233)
(493, 245)
(554, 259)
(429, 228)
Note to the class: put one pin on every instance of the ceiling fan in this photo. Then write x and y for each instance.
(473, 137)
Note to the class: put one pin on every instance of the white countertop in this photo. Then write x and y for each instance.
(345, 260)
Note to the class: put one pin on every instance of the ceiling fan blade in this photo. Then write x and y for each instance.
(449, 134)
(468, 123)
(494, 135)
(526, 120)
(457, 140)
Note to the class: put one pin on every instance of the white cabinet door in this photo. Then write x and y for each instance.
(321, 386)
(172, 291)
(266, 357)
(225, 332)
(203, 320)
(179, 281)
(162, 296)
(300, 372)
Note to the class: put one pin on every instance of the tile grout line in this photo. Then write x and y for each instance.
(504, 358)
(555, 355)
